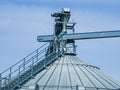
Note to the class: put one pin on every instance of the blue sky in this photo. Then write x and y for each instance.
(21, 21)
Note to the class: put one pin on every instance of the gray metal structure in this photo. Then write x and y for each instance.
(68, 72)
(55, 66)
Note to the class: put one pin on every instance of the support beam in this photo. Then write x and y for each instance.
(82, 36)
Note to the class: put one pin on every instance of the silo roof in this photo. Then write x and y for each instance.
(68, 72)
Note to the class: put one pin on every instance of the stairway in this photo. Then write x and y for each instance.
(15, 76)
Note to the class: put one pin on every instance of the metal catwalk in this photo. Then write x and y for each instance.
(55, 66)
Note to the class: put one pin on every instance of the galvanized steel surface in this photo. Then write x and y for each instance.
(82, 36)
(69, 72)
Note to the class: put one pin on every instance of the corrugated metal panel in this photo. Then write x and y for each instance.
(70, 73)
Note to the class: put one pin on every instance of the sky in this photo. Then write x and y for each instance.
(21, 21)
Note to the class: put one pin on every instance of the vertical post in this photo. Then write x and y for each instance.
(55, 39)
(73, 30)
(0, 82)
(19, 77)
(5, 81)
(77, 87)
(9, 79)
(10, 73)
(47, 54)
(24, 64)
(55, 44)
(32, 67)
(64, 25)
(62, 46)
(74, 47)
(36, 56)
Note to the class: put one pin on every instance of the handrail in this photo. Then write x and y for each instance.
(24, 58)
(31, 64)
(7, 75)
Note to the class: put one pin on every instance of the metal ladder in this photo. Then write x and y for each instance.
(15, 76)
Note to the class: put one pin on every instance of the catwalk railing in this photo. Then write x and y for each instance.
(19, 73)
